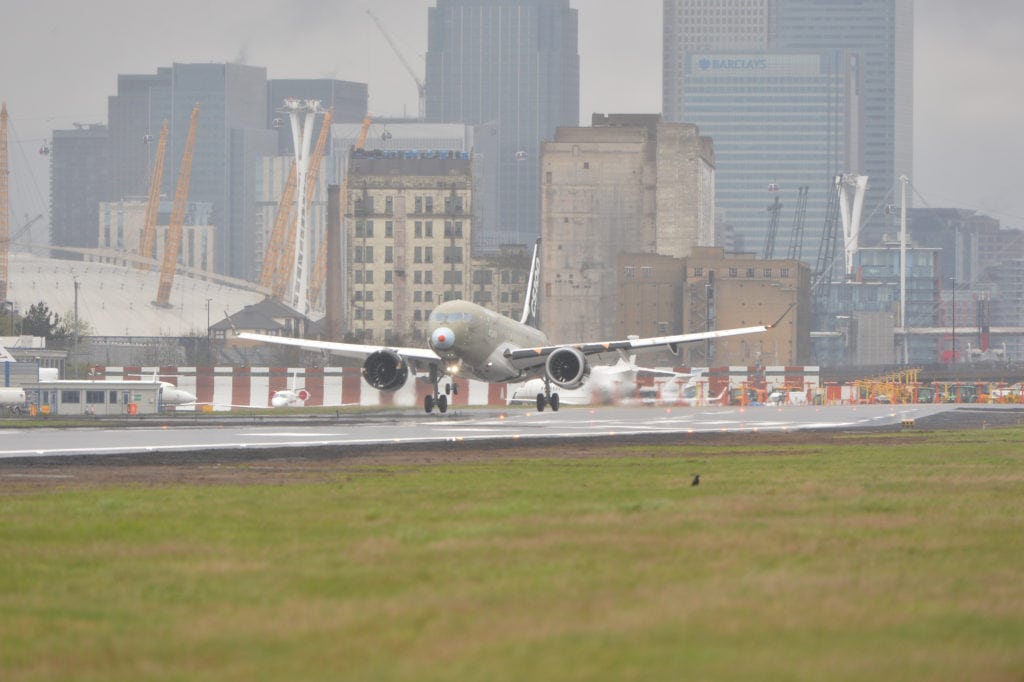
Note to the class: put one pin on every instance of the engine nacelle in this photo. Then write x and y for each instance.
(567, 367)
(385, 370)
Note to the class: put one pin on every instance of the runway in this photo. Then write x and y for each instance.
(471, 425)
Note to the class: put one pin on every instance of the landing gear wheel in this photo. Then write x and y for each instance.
(428, 403)
(554, 402)
(447, 389)
(442, 403)
(541, 401)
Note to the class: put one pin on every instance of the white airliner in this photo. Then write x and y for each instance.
(471, 341)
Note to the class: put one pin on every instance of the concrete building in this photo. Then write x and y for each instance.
(629, 183)
(660, 295)
(408, 231)
(79, 180)
(511, 65)
(121, 224)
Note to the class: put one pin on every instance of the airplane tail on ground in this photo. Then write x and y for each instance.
(530, 313)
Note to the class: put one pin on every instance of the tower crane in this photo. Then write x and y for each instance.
(4, 208)
(26, 227)
(774, 209)
(280, 285)
(796, 239)
(177, 222)
(148, 237)
(275, 247)
(421, 90)
(316, 284)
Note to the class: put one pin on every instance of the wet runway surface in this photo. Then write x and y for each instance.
(470, 426)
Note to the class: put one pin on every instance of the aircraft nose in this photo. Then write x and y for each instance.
(442, 338)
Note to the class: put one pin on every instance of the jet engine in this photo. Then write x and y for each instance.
(385, 370)
(567, 367)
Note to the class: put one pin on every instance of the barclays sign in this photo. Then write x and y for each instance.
(711, 64)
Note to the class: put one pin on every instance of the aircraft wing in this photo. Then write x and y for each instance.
(526, 358)
(356, 351)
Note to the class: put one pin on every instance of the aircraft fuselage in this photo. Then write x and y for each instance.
(474, 339)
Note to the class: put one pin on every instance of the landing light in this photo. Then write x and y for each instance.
(453, 369)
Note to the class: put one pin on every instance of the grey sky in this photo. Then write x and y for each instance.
(59, 61)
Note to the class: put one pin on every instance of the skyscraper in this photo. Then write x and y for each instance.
(876, 34)
(882, 32)
(79, 180)
(512, 65)
(231, 137)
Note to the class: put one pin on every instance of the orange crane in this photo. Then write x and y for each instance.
(148, 238)
(281, 278)
(316, 284)
(275, 247)
(173, 244)
(4, 208)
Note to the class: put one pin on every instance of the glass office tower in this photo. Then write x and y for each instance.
(779, 121)
(512, 66)
(882, 32)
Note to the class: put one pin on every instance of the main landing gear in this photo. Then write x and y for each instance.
(547, 397)
(436, 398)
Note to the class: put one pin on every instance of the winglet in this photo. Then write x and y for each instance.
(786, 312)
(530, 316)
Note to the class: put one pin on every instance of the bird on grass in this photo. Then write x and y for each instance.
(696, 480)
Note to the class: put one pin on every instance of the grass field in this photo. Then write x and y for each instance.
(882, 557)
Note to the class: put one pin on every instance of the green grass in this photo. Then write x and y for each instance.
(887, 558)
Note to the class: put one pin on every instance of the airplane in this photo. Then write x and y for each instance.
(290, 397)
(607, 384)
(169, 393)
(471, 341)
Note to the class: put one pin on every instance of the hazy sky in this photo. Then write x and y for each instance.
(59, 61)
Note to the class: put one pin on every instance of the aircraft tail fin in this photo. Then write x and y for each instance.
(530, 312)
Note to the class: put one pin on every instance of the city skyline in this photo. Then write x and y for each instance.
(966, 139)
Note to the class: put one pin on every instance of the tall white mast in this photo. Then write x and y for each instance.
(303, 115)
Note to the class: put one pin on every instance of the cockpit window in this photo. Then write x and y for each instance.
(438, 317)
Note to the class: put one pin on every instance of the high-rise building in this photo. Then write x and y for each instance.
(882, 33)
(512, 66)
(231, 138)
(79, 180)
(780, 122)
(629, 183)
(707, 26)
(877, 35)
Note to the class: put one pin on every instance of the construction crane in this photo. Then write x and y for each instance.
(281, 278)
(421, 90)
(828, 248)
(316, 284)
(25, 228)
(275, 247)
(148, 238)
(173, 244)
(774, 209)
(4, 208)
(796, 239)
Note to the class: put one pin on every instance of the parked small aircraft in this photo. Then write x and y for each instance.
(471, 341)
